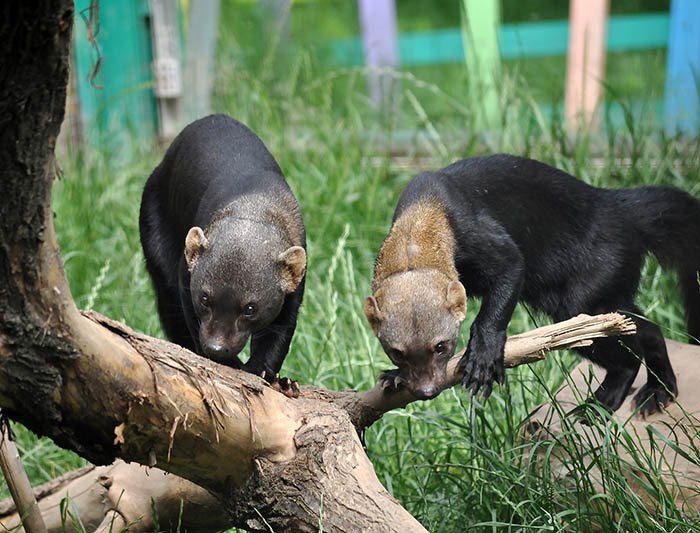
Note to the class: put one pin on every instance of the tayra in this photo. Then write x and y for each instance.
(510, 229)
(225, 245)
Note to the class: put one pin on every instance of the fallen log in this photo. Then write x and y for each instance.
(281, 427)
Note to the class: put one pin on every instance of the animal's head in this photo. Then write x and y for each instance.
(240, 273)
(416, 316)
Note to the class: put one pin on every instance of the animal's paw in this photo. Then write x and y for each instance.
(652, 398)
(481, 365)
(286, 386)
(391, 379)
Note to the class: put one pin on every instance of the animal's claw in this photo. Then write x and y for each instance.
(391, 379)
(653, 398)
(285, 385)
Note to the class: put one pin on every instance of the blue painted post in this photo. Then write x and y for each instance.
(378, 24)
(123, 112)
(683, 68)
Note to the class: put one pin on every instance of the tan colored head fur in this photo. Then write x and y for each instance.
(420, 238)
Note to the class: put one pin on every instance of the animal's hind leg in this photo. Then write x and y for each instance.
(621, 362)
(660, 388)
(621, 357)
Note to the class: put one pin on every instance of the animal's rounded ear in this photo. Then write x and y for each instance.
(293, 262)
(457, 300)
(195, 243)
(372, 312)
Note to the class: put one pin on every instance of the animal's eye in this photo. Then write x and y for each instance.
(249, 310)
(204, 299)
(440, 347)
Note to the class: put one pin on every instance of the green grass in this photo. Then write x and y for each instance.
(453, 462)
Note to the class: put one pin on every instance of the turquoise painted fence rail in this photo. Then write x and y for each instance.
(517, 41)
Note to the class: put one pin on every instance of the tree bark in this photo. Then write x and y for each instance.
(96, 387)
(18, 481)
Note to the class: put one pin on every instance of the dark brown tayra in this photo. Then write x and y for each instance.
(508, 229)
(225, 245)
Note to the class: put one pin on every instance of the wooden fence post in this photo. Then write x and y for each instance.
(378, 24)
(683, 68)
(199, 61)
(585, 66)
(481, 20)
(167, 70)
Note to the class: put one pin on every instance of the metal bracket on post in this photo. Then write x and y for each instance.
(167, 70)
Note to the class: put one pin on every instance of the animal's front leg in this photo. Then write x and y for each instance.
(269, 347)
(482, 363)
(502, 269)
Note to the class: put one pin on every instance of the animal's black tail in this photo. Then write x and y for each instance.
(669, 221)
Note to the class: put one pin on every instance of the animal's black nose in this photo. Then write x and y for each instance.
(216, 350)
(427, 393)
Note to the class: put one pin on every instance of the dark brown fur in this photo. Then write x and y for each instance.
(224, 243)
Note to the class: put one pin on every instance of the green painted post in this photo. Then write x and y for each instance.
(480, 22)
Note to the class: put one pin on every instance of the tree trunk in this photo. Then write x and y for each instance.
(82, 383)
(96, 387)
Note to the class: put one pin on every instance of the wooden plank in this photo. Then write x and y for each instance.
(516, 40)
(378, 25)
(431, 47)
(167, 67)
(638, 32)
(481, 21)
(199, 58)
(683, 68)
(585, 65)
(534, 39)
(548, 38)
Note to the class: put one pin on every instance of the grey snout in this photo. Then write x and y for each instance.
(217, 350)
(426, 393)
(223, 349)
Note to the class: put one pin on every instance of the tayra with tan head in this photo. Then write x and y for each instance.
(418, 302)
(508, 229)
(225, 245)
